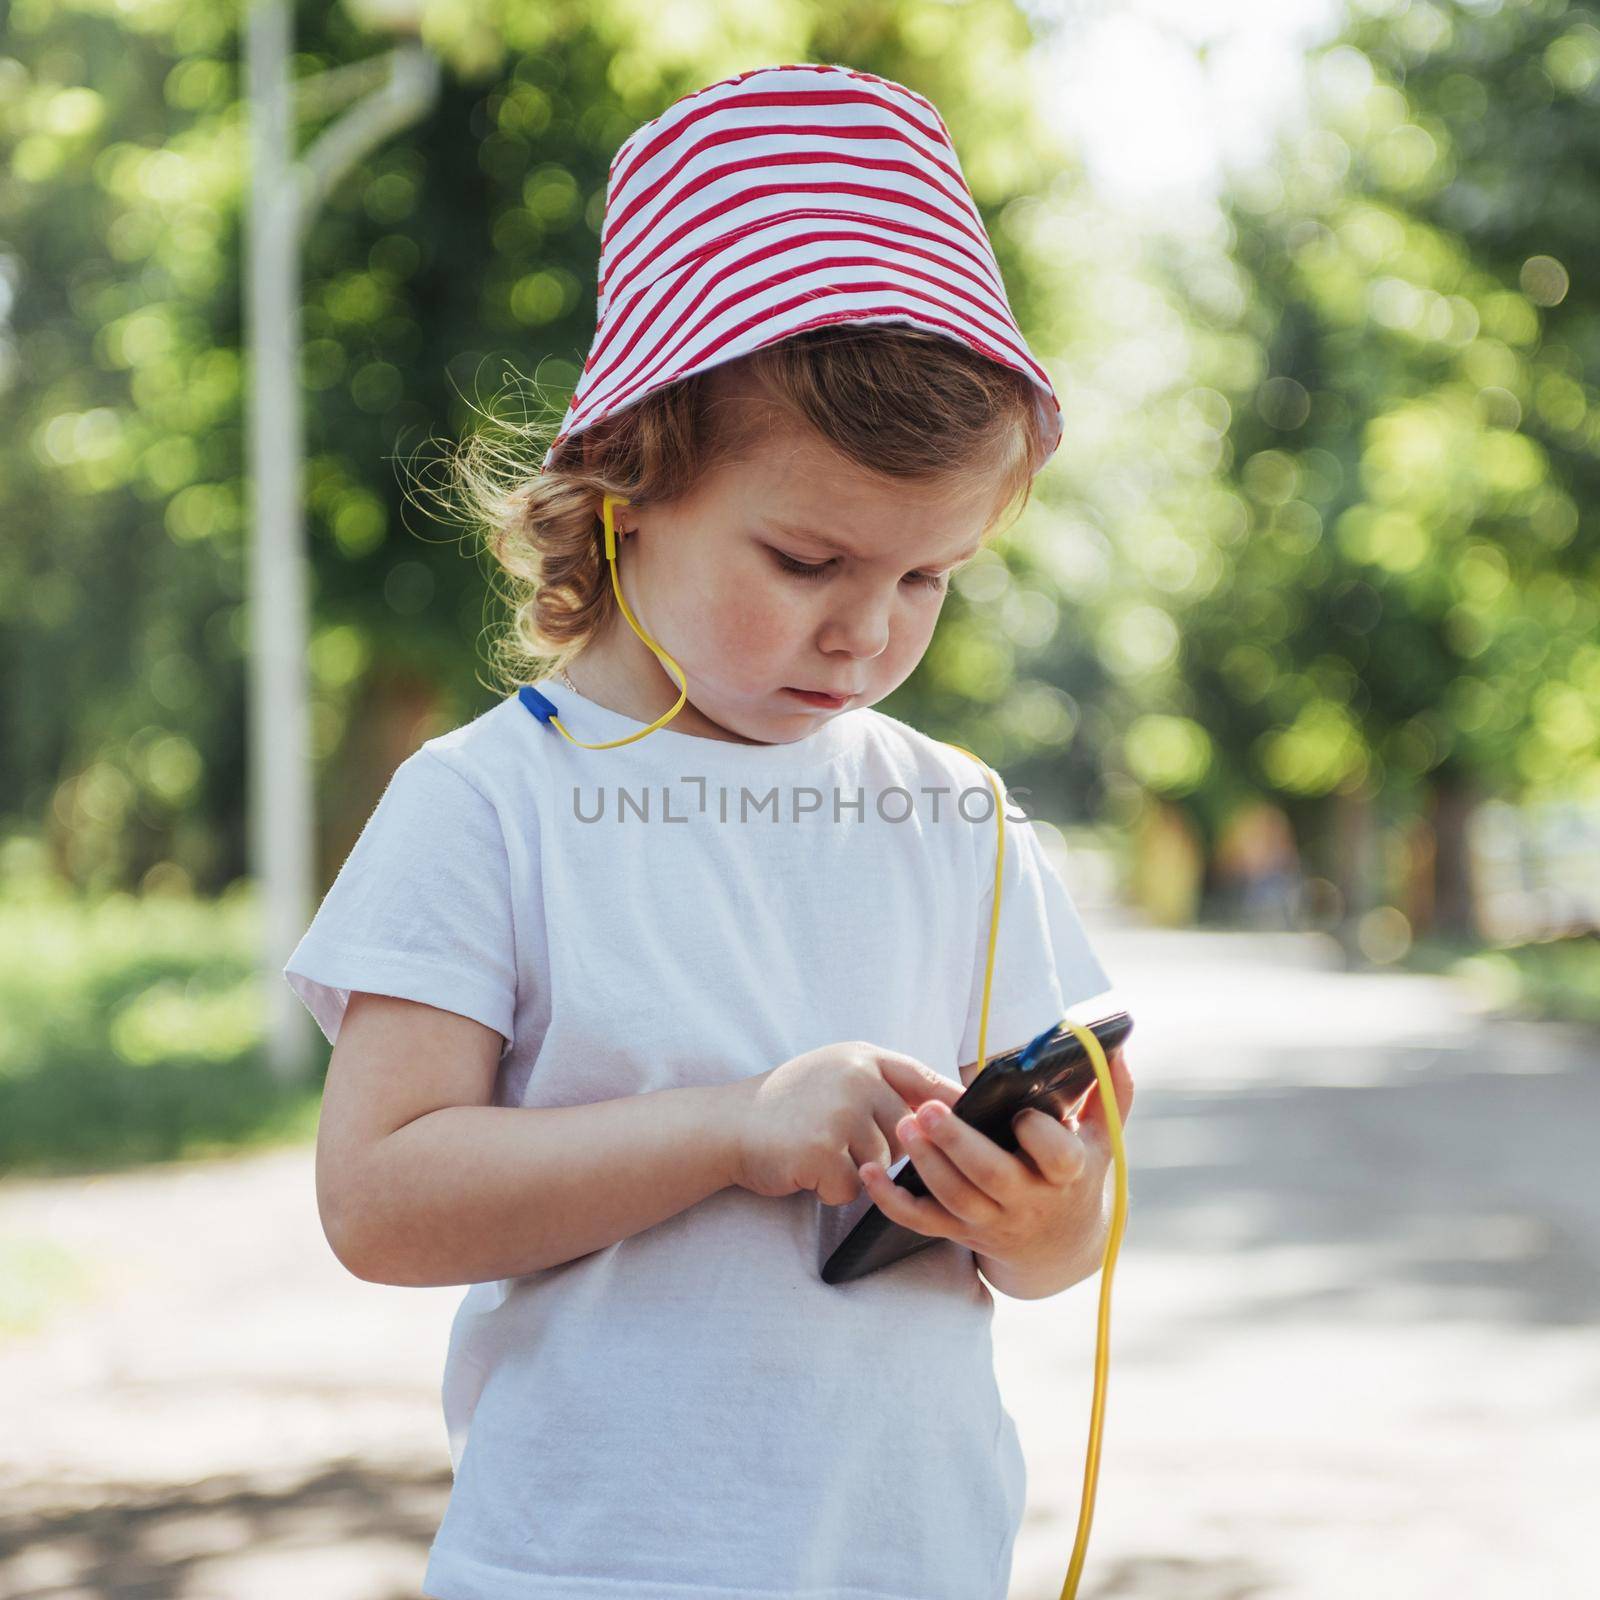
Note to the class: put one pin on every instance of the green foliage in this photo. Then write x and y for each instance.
(455, 265)
(1419, 589)
(130, 1030)
(1327, 496)
(1556, 979)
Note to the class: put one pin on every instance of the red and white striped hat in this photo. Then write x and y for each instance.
(784, 199)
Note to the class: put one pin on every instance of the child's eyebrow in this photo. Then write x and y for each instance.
(845, 550)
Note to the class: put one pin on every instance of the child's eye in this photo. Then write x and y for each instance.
(921, 580)
(799, 568)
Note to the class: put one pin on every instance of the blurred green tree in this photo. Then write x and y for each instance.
(463, 252)
(1407, 620)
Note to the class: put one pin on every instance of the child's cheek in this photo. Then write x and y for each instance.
(749, 622)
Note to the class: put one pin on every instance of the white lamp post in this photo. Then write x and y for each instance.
(285, 193)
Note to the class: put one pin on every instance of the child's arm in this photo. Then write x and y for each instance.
(421, 1181)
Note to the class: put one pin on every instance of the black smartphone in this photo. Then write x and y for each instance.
(1051, 1071)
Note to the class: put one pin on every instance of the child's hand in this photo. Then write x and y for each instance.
(1009, 1207)
(812, 1122)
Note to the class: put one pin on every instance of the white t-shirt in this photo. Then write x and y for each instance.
(691, 1412)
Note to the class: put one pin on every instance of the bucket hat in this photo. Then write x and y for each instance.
(788, 198)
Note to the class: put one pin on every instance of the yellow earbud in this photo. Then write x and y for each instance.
(1097, 1056)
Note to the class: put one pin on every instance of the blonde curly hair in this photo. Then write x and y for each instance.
(895, 400)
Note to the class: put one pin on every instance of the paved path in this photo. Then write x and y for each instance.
(1352, 1331)
(1353, 1347)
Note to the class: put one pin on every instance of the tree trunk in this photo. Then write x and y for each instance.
(1421, 859)
(1353, 865)
(390, 724)
(1454, 898)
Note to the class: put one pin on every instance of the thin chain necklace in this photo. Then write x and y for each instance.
(569, 683)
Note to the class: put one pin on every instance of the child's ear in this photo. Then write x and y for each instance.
(621, 519)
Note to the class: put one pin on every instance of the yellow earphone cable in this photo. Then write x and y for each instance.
(1119, 1209)
(1092, 1045)
(622, 600)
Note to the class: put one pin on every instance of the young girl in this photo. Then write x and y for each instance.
(628, 1024)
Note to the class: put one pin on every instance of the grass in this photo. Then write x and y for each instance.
(1555, 979)
(131, 1031)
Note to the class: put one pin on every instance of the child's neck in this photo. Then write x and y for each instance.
(633, 683)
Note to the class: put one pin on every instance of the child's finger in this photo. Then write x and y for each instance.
(1093, 1113)
(919, 1214)
(915, 1081)
(1056, 1148)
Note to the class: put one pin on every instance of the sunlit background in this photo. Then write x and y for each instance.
(1295, 651)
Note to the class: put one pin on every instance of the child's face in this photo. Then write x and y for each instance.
(705, 575)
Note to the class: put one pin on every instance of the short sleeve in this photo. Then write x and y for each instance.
(1043, 964)
(421, 908)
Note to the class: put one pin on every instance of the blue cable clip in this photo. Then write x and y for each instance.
(536, 703)
(1034, 1047)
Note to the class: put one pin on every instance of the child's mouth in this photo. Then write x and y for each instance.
(825, 701)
